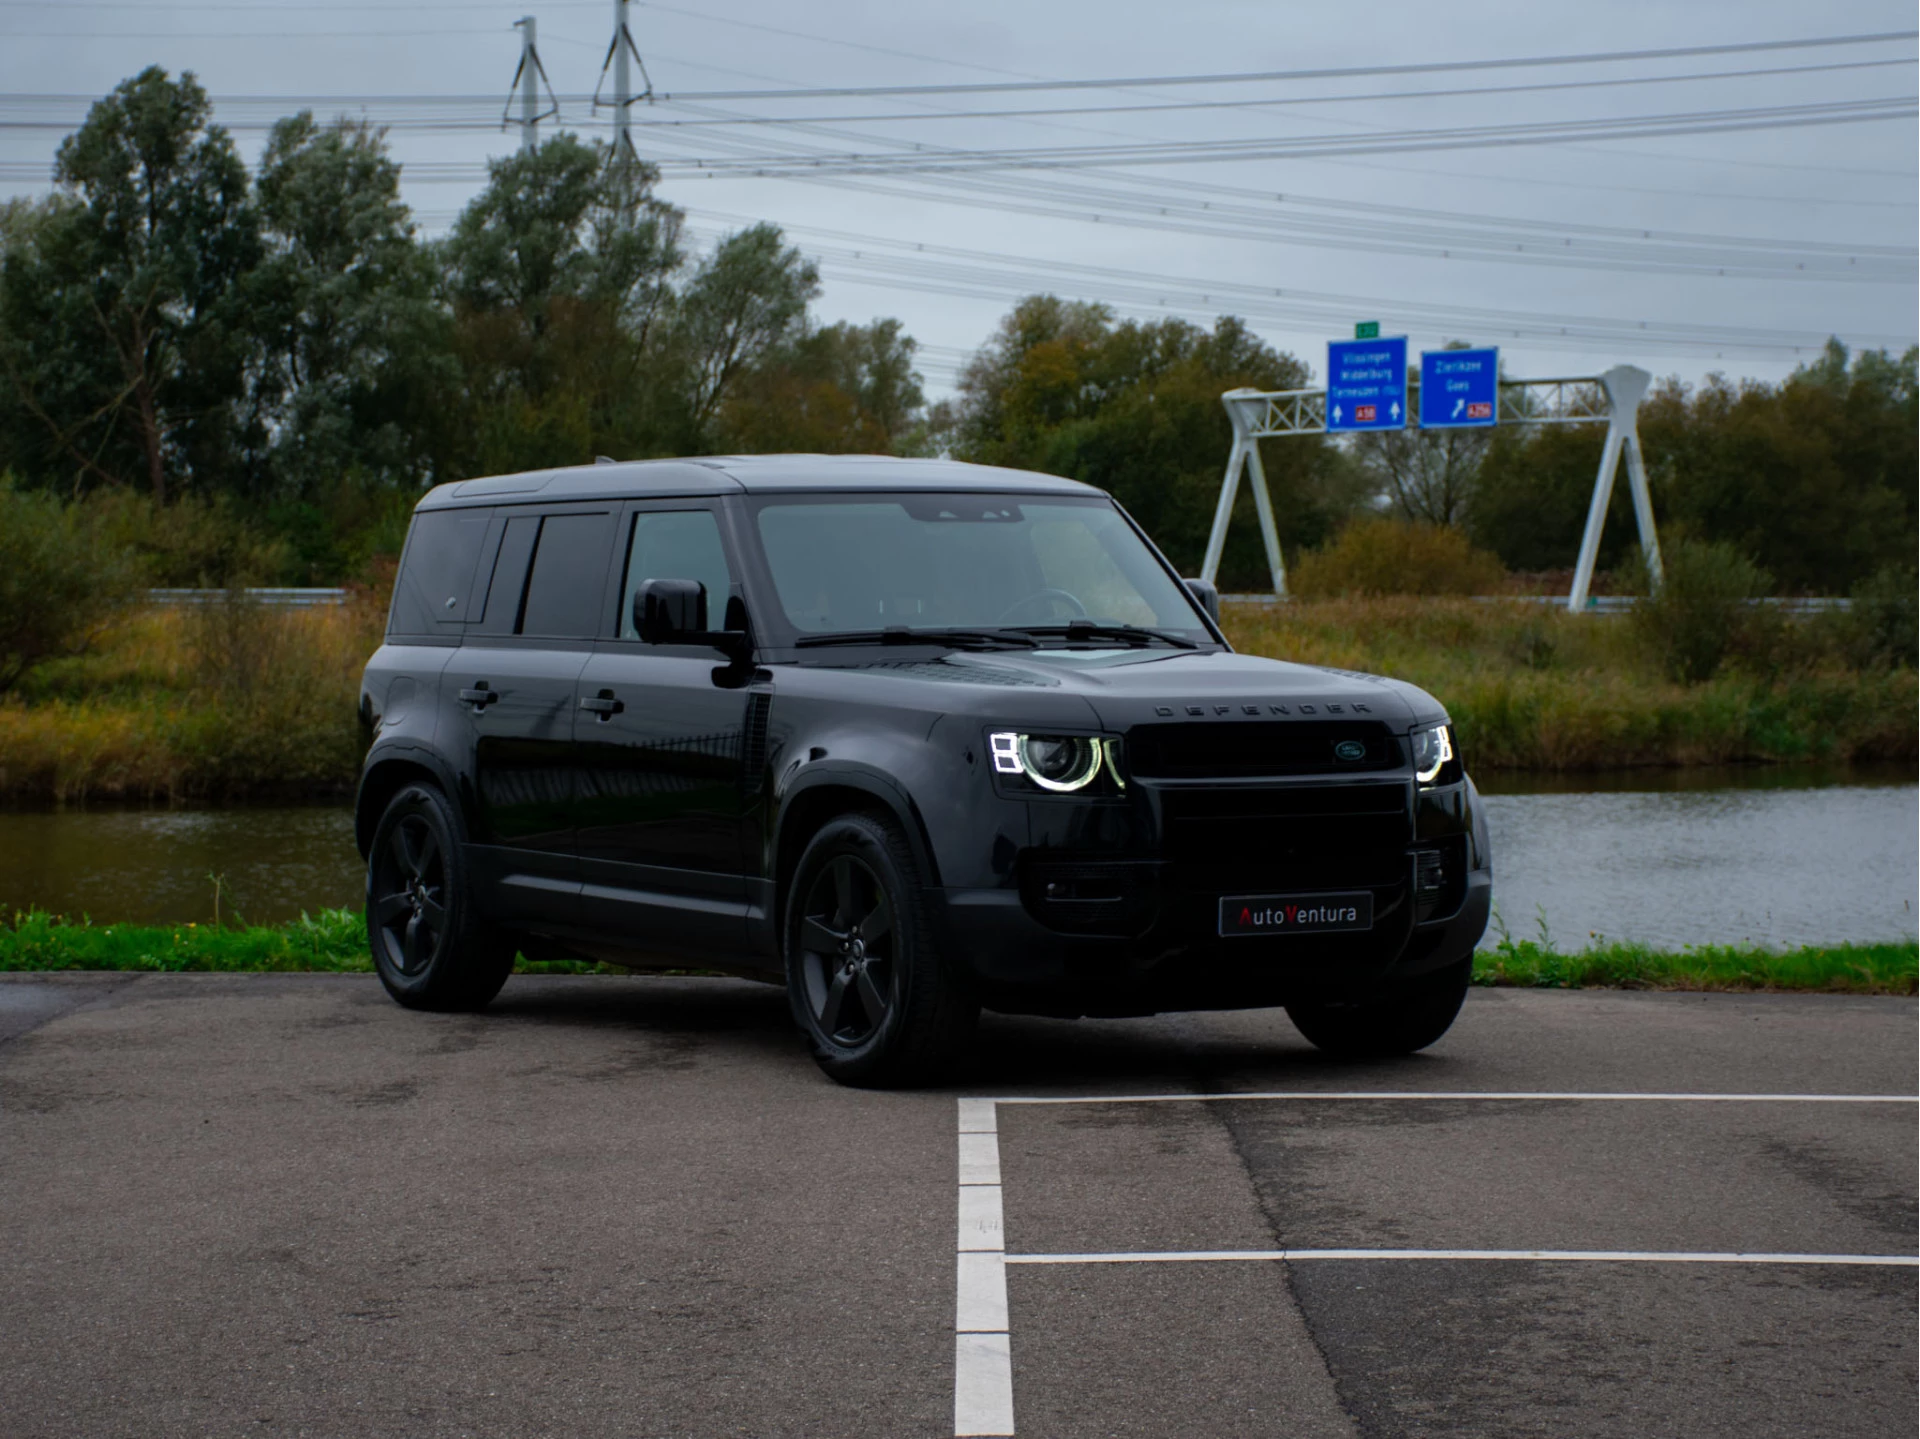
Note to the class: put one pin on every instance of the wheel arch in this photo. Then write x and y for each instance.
(827, 795)
(386, 776)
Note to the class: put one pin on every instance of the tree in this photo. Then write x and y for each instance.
(745, 300)
(126, 338)
(839, 389)
(1135, 409)
(353, 346)
(559, 274)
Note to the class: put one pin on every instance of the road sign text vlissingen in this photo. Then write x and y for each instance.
(1367, 384)
(1459, 388)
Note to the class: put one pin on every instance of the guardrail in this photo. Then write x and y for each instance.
(285, 596)
(1601, 604)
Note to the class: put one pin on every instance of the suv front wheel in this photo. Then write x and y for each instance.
(1400, 1025)
(431, 950)
(868, 982)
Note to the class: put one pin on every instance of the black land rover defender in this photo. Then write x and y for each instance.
(909, 736)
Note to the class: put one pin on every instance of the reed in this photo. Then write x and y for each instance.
(1532, 687)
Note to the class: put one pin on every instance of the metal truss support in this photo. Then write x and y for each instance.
(1247, 409)
(1613, 399)
(1626, 387)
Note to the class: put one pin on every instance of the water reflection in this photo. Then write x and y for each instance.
(147, 866)
(1643, 855)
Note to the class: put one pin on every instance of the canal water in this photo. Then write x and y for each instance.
(1773, 857)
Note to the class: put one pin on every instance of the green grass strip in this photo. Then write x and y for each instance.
(1834, 968)
(335, 941)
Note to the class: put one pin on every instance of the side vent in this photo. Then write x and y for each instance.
(753, 744)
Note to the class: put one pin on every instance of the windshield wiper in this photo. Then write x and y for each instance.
(930, 635)
(1088, 630)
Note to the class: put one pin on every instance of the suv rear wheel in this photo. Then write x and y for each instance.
(429, 947)
(1375, 1029)
(868, 982)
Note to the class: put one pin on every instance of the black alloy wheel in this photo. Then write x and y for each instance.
(877, 996)
(846, 952)
(408, 884)
(429, 947)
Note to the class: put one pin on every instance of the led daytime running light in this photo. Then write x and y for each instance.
(1079, 779)
(1441, 738)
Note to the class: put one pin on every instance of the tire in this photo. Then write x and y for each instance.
(429, 946)
(879, 1001)
(1379, 1028)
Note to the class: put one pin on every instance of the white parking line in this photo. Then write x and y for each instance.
(983, 1351)
(1581, 1095)
(1587, 1256)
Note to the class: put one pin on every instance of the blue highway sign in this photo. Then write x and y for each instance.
(1459, 388)
(1367, 384)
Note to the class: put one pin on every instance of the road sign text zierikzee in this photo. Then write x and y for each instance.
(1459, 388)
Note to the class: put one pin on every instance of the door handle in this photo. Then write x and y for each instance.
(480, 696)
(603, 704)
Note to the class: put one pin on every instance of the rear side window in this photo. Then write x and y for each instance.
(435, 585)
(568, 577)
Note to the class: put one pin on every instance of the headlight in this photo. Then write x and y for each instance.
(1432, 752)
(1060, 763)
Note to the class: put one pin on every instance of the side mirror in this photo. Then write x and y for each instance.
(668, 612)
(1207, 596)
(674, 612)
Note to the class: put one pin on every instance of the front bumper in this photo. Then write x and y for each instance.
(1180, 962)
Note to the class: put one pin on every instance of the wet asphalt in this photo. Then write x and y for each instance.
(281, 1205)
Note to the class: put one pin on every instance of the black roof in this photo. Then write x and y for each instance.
(745, 474)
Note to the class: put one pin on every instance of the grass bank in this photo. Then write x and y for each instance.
(215, 702)
(335, 941)
(1532, 687)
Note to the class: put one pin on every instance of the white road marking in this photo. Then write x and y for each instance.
(1391, 1094)
(981, 1227)
(980, 1158)
(983, 1353)
(1595, 1256)
(981, 1300)
(982, 1384)
(982, 1350)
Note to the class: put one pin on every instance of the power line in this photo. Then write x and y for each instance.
(1549, 132)
(1344, 72)
(1195, 105)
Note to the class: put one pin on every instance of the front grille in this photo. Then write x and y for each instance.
(1231, 750)
(1287, 838)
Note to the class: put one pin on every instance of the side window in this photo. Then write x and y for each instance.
(509, 583)
(435, 584)
(676, 545)
(568, 577)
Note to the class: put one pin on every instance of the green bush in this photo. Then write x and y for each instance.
(1886, 617)
(1699, 614)
(60, 581)
(1391, 557)
(191, 543)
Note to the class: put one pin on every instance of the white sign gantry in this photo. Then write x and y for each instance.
(1612, 399)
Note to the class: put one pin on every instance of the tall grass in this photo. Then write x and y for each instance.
(1532, 687)
(219, 701)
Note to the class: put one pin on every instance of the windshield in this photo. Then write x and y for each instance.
(982, 562)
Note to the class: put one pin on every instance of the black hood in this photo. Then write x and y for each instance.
(1147, 686)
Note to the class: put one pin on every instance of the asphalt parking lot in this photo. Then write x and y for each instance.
(281, 1205)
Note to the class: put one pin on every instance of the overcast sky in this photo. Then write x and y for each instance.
(1511, 243)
